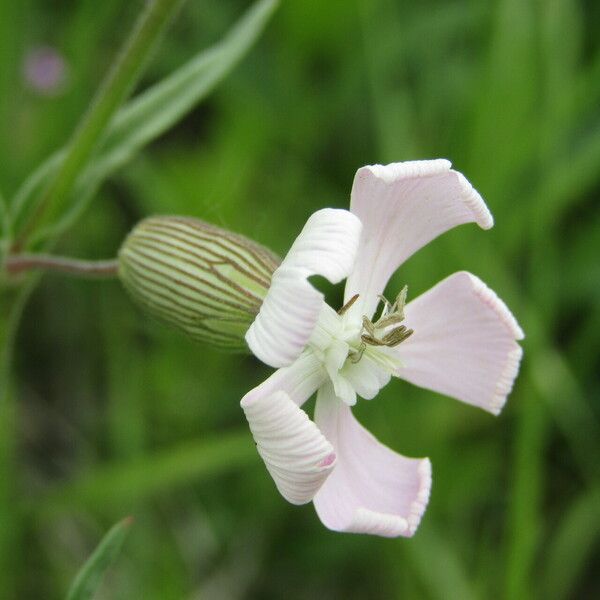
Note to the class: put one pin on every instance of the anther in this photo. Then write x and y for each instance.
(391, 314)
(348, 305)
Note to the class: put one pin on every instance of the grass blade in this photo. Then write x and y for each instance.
(571, 547)
(525, 520)
(449, 579)
(4, 222)
(90, 576)
(150, 114)
(139, 478)
(155, 111)
(113, 91)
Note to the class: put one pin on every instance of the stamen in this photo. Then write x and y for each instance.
(391, 314)
(355, 355)
(378, 333)
(348, 305)
(397, 336)
(387, 307)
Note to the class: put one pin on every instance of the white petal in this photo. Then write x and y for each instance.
(296, 454)
(464, 343)
(372, 489)
(403, 206)
(299, 381)
(343, 389)
(366, 377)
(326, 246)
(286, 319)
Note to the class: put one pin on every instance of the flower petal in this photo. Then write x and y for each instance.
(464, 343)
(295, 452)
(372, 489)
(326, 246)
(403, 206)
(299, 381)
(366, 377)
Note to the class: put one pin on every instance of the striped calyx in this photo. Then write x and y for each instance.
(203, 280)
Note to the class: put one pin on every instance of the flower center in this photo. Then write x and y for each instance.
(353, 348)
(386, 330)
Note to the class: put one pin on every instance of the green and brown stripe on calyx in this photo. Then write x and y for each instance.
(204, 280)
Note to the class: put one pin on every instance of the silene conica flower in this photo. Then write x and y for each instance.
(458, 338)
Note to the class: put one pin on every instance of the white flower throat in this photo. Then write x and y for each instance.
(354, 350)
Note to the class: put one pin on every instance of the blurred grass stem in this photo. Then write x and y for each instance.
(11, 306)
(114, 90)
(19, 263)
(4, 225)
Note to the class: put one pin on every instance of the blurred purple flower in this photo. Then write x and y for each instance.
(45, 70)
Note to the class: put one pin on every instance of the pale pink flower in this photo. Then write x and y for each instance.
(463, 345)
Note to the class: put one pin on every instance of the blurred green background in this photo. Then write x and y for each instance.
(115, 415)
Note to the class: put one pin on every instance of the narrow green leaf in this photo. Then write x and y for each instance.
(34, 184)
(90, 576)
(151, 114)
(115, 88)
(505, 120)
(4, 224)
(571, 546)
(560, 60)
(525, 515)
(559, 388)
(393, 114)
(13, 39)
(569, 178)
(131, 481)
(10, 523)
(438, 565)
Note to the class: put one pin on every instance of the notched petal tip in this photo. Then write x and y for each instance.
(404, 206)
(393, 172)
(491, 299)
(508, 374)
(419, 504)
(392, 525)
(373, 489)
(473, 200)
(404, 170)
(465, 343)
(505, 382)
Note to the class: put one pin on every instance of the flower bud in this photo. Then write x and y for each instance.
(199, 278)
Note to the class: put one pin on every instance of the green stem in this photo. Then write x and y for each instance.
(110, 96)
(18, 263)
(524, 515)
(4, 225)
(11, 303)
